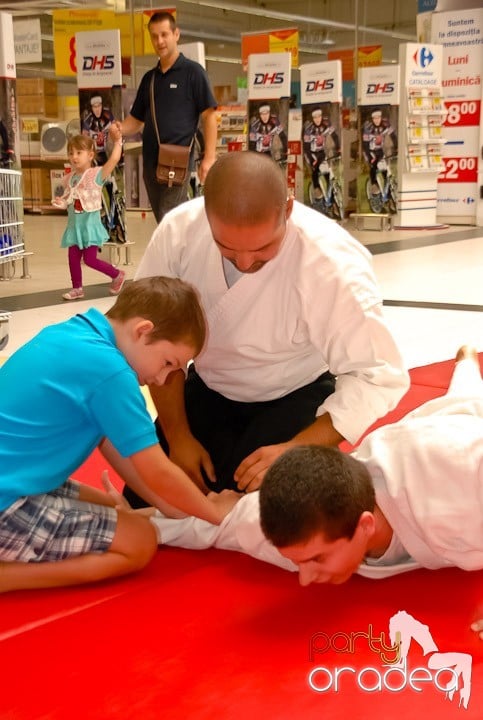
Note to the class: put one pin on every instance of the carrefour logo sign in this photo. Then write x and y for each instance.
(423, 57)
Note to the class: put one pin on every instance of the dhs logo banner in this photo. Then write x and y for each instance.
(313, 86)
(98, 62)
(269, 75)
(98, 59)
(321, 82)
(386, 88)
(268, 79)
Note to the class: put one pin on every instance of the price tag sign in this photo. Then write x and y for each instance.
(462, 113)
(30, 125)
(459, 170)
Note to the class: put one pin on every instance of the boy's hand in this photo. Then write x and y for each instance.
(118, 500)
(225, 501)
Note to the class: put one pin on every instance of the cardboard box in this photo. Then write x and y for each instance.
(37, 189)
(36, 86)
(69, 107)
(57, 182)
(38, 105)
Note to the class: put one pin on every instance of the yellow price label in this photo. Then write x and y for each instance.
(30, 125)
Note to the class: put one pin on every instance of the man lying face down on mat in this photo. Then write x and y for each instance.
(410, 496)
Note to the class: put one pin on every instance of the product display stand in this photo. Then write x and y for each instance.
(321, 136)
(268, 105)
(11, 225)
(378, 98)
(11, 201)
(420, 134)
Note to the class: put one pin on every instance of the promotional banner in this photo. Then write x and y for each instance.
(271, 41)
(99, 59)
(99, 79)
(7, 48)
(9, 124)
(268, 104)
(66, 23)
(368, 56)
(321, 98)
(11, 203)
(461, 34)
(378, 110)
(28, 41)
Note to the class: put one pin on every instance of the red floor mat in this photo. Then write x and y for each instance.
(217, 634)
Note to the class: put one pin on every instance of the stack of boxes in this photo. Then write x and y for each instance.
(37, 96)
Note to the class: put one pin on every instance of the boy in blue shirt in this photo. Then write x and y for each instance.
(73, 387)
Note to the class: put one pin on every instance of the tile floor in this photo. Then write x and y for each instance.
(431, 282)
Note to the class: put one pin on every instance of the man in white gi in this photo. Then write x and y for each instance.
(298, 349)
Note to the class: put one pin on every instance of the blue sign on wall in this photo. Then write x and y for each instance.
(426, 5)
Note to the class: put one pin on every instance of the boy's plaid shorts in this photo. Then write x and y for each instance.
(53, 526)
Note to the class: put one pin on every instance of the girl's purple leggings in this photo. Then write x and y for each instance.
(89, 255)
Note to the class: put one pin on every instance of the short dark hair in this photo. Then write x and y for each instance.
(172, 305)
(245, 188)
(161, 16)
(313, 489)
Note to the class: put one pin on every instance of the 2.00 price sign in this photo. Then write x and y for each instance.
(458, 170)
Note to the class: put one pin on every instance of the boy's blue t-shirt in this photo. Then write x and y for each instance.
(60, 395)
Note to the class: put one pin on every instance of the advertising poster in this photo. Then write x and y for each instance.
(271, 41)
(268, 104)
(9, 122)
(66, 23)
(28, 41)
(378, 112)
(99, 79)
(321, 95)
(461, 34)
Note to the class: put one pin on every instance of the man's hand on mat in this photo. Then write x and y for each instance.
(190, 455)
(478, 627)
(225, 501)
(250, 473)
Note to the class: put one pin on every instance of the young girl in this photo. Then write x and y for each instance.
(85, 232)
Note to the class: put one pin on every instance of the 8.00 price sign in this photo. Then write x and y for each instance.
(457, 170)
(462, 113)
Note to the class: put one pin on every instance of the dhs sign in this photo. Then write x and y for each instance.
(269, 79)
(312, 86)
(97, 62)
(386, 88)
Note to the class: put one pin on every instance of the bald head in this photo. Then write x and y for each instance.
(245, 188)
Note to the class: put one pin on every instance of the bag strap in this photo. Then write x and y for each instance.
(153, 113)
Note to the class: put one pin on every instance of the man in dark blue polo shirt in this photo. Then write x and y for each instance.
(182, 95)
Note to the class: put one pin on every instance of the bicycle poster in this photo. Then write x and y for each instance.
(378, 115)
(321, 95)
